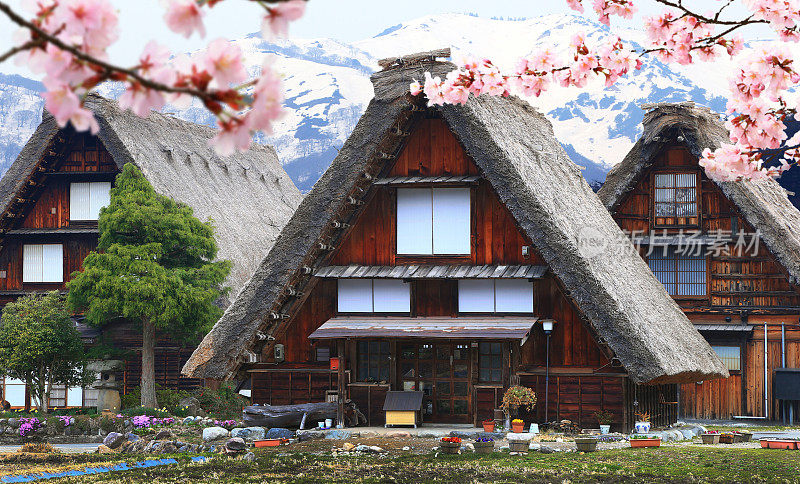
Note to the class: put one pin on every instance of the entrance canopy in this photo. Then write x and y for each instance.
(513, 328)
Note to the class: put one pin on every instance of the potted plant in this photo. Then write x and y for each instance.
(450, 445)
(710, 437)
(726, 438)
(645, 441)
(746, 436)
(586, 444)
(518, 442)
(642, 423)
(517, 426)
(518, 397)
(488, 425)
(605, 419)
(484, 445)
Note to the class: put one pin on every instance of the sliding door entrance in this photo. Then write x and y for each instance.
(442, 372)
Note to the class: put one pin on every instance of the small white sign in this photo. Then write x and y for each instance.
(534, 428)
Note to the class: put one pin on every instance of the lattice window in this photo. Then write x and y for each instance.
(675, 199)
(373, 360)
(682, 275)
(730, 355)
(490, 362)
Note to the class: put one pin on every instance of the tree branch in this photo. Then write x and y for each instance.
(715, 20)
(20, 48)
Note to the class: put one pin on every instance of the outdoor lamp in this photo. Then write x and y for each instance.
(547, 326)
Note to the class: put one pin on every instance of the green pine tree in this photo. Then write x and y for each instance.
(154, 266)
(40, 346)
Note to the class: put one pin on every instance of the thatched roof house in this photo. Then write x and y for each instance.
(763, 203)
(248, 196)
(515, 150)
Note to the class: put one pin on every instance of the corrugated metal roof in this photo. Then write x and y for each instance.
(433, 272)
(739, 328)
(403, 401)
(54, 231)
(413, 180)
(504, 327)
(686, 240)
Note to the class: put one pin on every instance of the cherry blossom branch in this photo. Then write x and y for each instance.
(20, 48)
(709, 20)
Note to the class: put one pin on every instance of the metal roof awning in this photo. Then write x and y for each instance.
(434, 272)
(415, 180)
(729, 327)
(687, 241)
(509, 327)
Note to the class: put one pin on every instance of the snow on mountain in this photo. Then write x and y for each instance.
(327, 88)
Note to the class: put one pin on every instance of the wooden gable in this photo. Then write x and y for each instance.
(733, 281)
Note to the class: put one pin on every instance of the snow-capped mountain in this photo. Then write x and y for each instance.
(327, 88)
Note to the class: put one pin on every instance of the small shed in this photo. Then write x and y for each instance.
(403, 408)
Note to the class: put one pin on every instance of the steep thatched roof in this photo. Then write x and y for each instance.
(763, 203)
(516, 151)
(248, 196)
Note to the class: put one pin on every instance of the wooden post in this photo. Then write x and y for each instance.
(515, 355)
(340, 383)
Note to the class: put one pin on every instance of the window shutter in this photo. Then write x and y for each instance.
(391, 296)
(32, 263)
(98, 198)
(476, 296)
(79, 196)
(414, 226)
(52, 263)
(451, 221)
(514, 296)
(354, 296)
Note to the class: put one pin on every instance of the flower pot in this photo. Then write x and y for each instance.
(605, 429)
(737, 438)
(518, 445)
(645, 443)
(726, 439)
(450, 447)
(488, 426)
(764, 443)
(783, 444)
(710, 438)
(642, 427)
(484, 447)
(747, 436)
(518, 428)
(586, 444)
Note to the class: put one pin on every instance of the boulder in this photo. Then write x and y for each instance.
(131, 437)
(303, 435)
(362, 448)
(235, 444)
(168, 448)
(279, 433)
(164, 435)
(214, 433)
(249, 433)
(399, 434)
(104, 449)
(462, 435)
(13, 423)
(188, 420)
(335, 434)
(469, 447)
(191, 404)
(114, 440)
(375, 449)
(546, 450)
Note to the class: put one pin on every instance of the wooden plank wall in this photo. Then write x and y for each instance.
(292, 387)
(369, 400)
(660, 401)
(76, 248)
(754, 366)
(712, 399)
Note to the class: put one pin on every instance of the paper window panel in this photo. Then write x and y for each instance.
(451, 221)
(32, 263)
(52, 263)
(414, 221)
(513, 296)
(75, 397)
(354, 296)
(14, 392)
(79, 196)
(100, 193)
(391, 296)
(476, 296)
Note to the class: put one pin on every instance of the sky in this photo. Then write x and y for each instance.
(344, 20)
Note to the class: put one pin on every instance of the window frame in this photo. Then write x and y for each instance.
(433, 253)
(495, 298)
(675, 274)
(41, 278)
(383, 357)
(739, 351)
(91, 185)
(698, 199)
(492, 356)
(405, 284)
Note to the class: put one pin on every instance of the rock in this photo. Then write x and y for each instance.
(168, 448)
(399, 434)
(278, 433)
(513, 453)
(546, 450)
(214, 433)
(248, 433)
(188, 420)
(699, 429)
(376, 449)
(184, 448)
(131, 437)
(362, 448)
(191, 404)
(304, 435)
(687, 433)
(114, 440)
(534, 446)
(469, 447)
(249, 457)
(335, 434)
(406, 448)
(347, 447)
(504, 448)
(104, 449)
(490, 435)
(462, 435)
(523, 436)
(164, 435)
(13, 423)
(235, 444)
(431, 434)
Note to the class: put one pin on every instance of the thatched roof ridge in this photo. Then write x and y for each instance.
(248, 196)
(763, 203)
(515, 148)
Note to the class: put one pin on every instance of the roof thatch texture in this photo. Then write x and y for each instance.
(763, 203)
(516, 150)
(248, 196)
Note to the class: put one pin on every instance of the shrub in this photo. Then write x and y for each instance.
(110, 424)
(153, 412)
(38, 448)
(224, 402)
(518, 397)
(81, 424)
(167, 398)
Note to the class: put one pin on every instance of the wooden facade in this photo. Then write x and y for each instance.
(42, 216)
(744, 289)
(583, 376)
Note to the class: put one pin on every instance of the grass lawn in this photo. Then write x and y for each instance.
(666, 464)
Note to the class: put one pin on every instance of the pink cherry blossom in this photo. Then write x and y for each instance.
(267, 104)
(185, 17)
(276, 22)
(141, 100)
(415, 87)
(233, 136)
(65, 107)
(223, 60)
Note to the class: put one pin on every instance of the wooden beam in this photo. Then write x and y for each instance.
(340, 382)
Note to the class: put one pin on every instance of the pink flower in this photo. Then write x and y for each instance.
(267, 100)
(184, 17)
(415, 88)
(233, 135)
(276, 22)
(62, 102)
(223, 60)
(141, 100)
